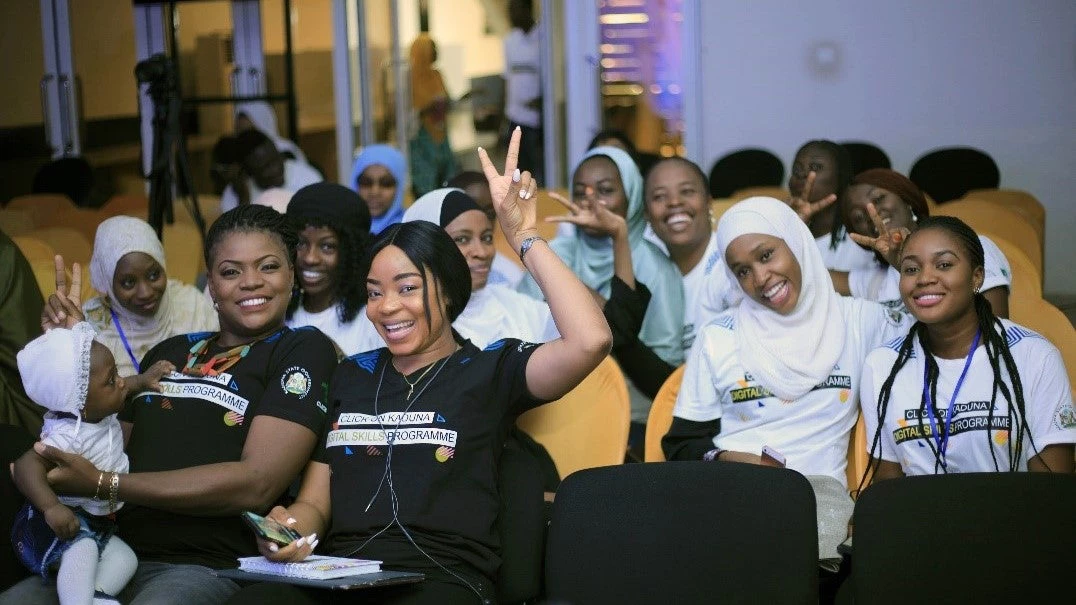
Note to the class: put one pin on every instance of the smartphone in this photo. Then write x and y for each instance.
(772, 456)
(271, 530)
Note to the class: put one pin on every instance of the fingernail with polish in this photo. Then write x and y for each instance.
(274, 547)
(313, 544)
(312, 537)
(300, 542)
(515, 176)
(291, 520)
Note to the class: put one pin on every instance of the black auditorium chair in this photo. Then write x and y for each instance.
(866, 156)
(683, 532)
(14, 442)
(948, 173)
(965, 538)
(521, 526)
(745, 168)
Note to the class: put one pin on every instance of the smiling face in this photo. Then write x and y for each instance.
(892, 210)
(317, 258)
(767, 271)
(601, 175)
(250, 280)
(410, 316)
(139, 283)
(678, 206)
(823, 164)
(107, 391)
(377, 187)
(473, 233)
(937, 278)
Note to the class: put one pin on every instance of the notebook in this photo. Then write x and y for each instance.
(314, 567)
(369, 580)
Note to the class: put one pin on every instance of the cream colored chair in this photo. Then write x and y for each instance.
(588, 427)
(41, 205)
(775, 192)
(1014, 199)
(67, 242)
(14, 221)
(183, 251)
(1053, 325)
(661, 413)
(997, 222)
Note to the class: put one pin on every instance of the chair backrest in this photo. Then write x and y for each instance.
(661, 413)
(14, 221)
(1052, 324)
(521, 526)
(683, 532)
(720, 207)
(775, 191)
(132, 205)
(45, 275)
(183, 251)
(948, 173)
(588, 427)
(35, 249)
(965, 538)
(858, 454)
(67, 242)
(1019, 200)
(745, 168)
(865, 156)
(40, 204)
(83, 220)
(1026, 281)
(998, 222)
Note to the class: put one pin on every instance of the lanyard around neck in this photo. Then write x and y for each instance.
(942, 439)
(123, 339)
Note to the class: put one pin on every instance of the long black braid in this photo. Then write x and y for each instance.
(997, 351)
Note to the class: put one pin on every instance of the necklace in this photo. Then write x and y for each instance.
(412, 385)
(216, 364)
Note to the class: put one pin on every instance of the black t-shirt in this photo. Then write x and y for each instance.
(204, 420)
(445, 452)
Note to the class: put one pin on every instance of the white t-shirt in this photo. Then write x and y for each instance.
(296, 176)
(847, 256)
(1047, 397)
(504, 272)
(99, 442)
(882, 283)
(523, 75)
(812, 431)
(492, 313)
(347, 336)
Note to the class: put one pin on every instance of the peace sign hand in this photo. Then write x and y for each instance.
(63, 309)
(888, 243)
(514, 194)
(594, 216)
(805, 208)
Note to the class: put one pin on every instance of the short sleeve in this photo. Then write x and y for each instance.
(866, 282)
(868, 402)
(510, 381)
(879, 324)
(698, 399)
(996, 269)
(297, 379)
(717, 296)
(62, 436)
(1048, 398)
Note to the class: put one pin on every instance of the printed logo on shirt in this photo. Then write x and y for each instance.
(367, 360)
(233, 419)
(224, 378)
(1065, 418)
(914, 432)
(295, 381)
(386, 430)
(402, 436)
(958, 409)
(388, 419)
(199, 390)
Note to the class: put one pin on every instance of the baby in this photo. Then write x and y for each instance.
(75, 378)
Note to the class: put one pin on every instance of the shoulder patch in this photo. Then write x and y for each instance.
(303, 329)
(367, 360)
(711, 261)
(196, 336)
(895, 344)
(276, 336)
(726, 321)
(496, 345)
(1014, 334)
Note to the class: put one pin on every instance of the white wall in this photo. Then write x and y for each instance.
(914, 75)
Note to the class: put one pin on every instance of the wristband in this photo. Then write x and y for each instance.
(712, 455)
(525, 246)
(97, 492)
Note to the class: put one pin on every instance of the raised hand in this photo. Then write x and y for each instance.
(888, 242)
(590, 215)
(805, 208)
(514, 194)
(63, 309)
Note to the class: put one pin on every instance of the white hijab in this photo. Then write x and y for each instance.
(787, 354)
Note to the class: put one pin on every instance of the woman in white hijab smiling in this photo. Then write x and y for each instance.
(494, 311)
(781, 369)
(140, 306)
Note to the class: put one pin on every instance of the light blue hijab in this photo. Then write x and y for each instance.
(392, 159)
(591, 259)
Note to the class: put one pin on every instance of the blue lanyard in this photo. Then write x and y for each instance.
(123, 338)
(942, 439)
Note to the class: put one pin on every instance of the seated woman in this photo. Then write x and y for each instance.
(227, 433)
(141, 307)
(963, 391)
(680, 219)
(333, 224)
(782, 368)
(610, 255)
(494, 311)
(831, 167)
(474, 184)
(262, 167)
(378, 175)
(881, 200)
(259, 115)
(433, 509)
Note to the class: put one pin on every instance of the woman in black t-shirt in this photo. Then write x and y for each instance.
(407, 474)
(227, 433)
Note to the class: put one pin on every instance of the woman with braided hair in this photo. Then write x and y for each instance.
(963, 391)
